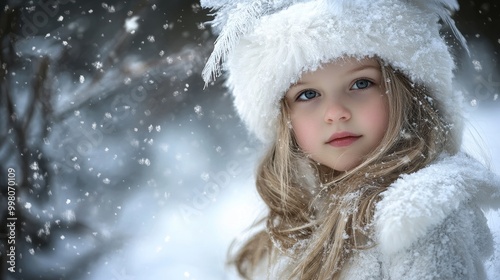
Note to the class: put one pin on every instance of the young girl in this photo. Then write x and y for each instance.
(363, 175)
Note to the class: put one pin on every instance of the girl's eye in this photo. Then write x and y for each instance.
(361, 84)
(307, 94)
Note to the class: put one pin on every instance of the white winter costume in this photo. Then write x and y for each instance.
(431, 225)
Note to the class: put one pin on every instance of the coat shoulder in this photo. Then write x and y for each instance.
(417, 203)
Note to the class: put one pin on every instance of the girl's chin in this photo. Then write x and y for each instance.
(342, 166)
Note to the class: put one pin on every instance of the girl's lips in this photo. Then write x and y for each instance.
(342, 139)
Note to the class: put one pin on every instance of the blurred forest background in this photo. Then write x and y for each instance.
(126, 167)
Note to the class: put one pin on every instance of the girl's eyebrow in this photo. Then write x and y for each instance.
(297, 84)
(363, 67)
(350, 71)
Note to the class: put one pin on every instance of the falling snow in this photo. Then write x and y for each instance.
(97, 65)
(198, 110)
(165, 172)
(477, 65)
(131, 24)
(144, 161)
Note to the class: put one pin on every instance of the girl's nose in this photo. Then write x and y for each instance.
(336, 111)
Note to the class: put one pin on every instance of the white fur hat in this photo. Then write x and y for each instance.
(265, 46)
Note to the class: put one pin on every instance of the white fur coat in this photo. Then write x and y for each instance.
(431, 225)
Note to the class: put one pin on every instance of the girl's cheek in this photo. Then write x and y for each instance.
(378, 115)
(304, 129)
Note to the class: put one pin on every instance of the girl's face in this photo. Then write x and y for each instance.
(339, 113)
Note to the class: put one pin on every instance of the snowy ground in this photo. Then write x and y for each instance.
(176, 246)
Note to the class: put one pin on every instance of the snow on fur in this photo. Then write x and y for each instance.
(417, 202)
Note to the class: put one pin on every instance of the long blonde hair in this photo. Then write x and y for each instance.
(319, 217)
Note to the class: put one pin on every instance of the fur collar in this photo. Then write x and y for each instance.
(416, 202)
